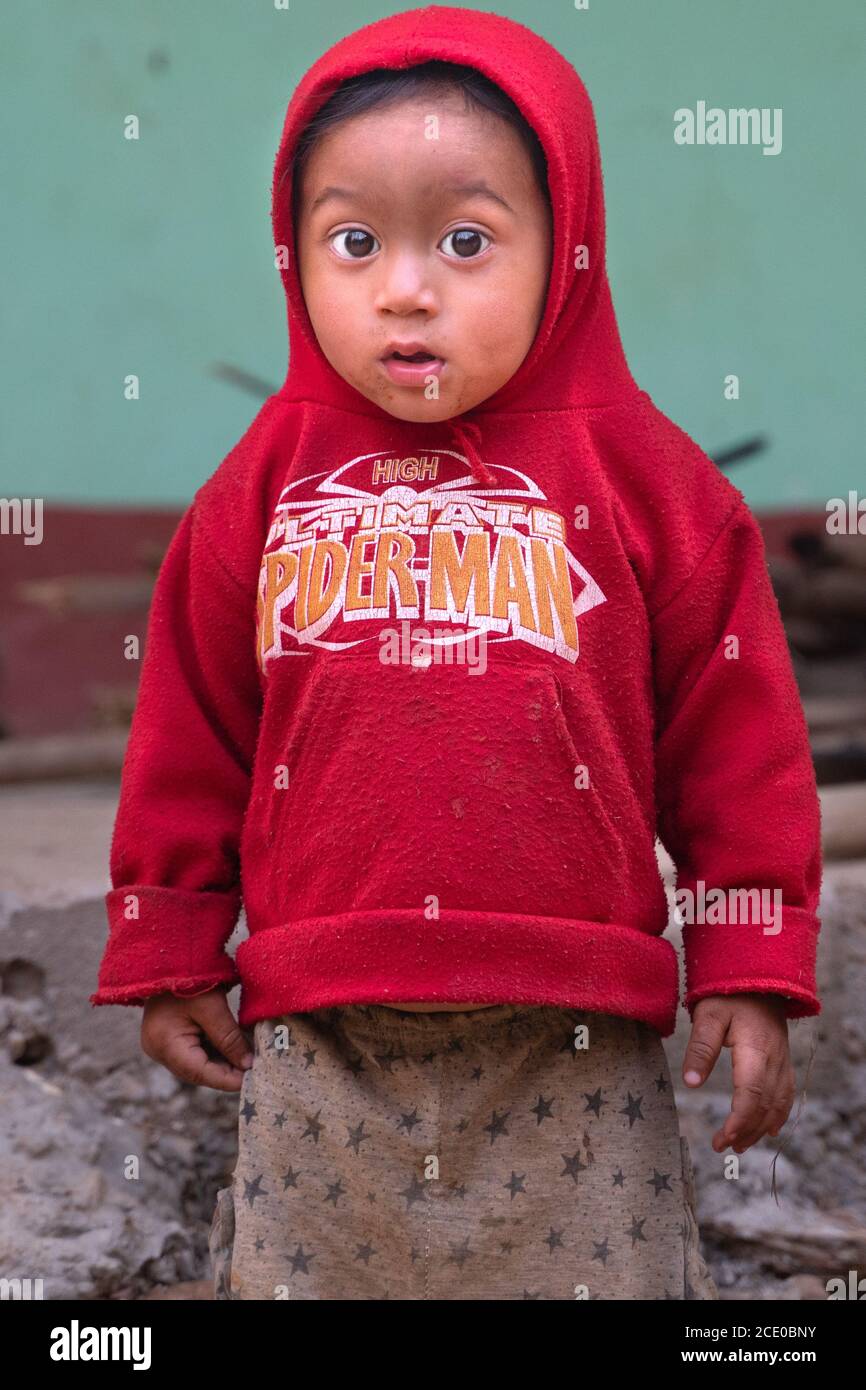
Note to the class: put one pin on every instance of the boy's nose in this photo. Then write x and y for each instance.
(406, 287)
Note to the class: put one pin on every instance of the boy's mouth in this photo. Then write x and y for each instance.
(409, 364)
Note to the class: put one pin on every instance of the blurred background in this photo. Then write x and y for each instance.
(153, 257)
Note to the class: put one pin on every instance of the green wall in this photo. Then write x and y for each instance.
(154, 256)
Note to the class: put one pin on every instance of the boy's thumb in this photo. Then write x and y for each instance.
(223, 1030)
(705, 1044)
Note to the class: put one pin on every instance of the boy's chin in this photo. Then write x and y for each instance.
(419, 412)
(413, 406)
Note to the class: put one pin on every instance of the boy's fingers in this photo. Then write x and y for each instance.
(184, 1055)
(709, 1027)
(760, 1122)
(779, 1094)
(179, 1033)
(784, 1100)
(215, 1017)
(775, 1120)
(750, 1100)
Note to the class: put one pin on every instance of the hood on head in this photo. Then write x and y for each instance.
(576, 358)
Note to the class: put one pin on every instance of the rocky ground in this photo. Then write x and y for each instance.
(109, 1167)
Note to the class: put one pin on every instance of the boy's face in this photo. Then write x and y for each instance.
(380, 264)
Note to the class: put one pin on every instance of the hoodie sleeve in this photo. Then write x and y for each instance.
(737, 803)
(185, 783)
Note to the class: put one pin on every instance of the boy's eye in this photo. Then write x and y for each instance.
(358, 244)
(466, 242)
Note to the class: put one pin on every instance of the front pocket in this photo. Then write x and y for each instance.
(595, 801)
(407, 786)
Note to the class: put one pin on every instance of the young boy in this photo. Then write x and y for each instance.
(459, 624)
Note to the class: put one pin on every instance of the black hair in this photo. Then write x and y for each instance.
(386, 86)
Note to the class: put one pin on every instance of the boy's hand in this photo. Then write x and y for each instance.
(755, 1027)
(172, 1031)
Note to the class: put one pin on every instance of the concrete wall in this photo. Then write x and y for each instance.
(154, 256)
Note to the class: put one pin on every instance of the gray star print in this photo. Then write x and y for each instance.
(415, 1192)
(542, 1109)
(632, 1109)
(460, 1252)
(515, 1184)
(301, 1261)
(313, 1127)
(659, 1181)
(573, 1166)
(636, 1231)
(594, 1102)
(254, 1189)
(356, 1137)
(497, 1125)
(386, 1060)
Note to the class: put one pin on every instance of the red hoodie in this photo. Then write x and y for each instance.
(399, 833)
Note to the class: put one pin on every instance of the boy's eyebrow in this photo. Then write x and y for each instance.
(475, 189)
(346, 195)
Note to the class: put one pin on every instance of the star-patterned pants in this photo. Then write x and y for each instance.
(511, 1152)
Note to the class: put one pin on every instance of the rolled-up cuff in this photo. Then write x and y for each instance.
(751, 958)
(165, 940)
